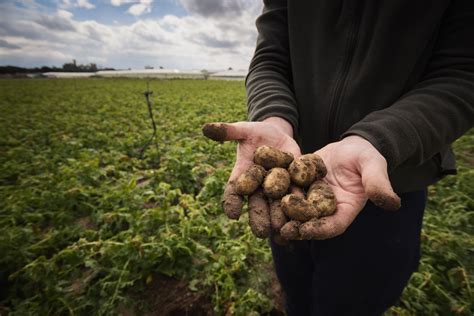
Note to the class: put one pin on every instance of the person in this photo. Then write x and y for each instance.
(379, 90)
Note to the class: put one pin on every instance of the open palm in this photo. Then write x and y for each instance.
(356, 172)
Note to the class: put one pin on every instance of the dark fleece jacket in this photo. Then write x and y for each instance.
(399, 73)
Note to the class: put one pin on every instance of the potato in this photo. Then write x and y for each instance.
(322, 197)
(259, 215)
(277, 216)
(290, 231)
(298, 208)
(269, 157)
(308, 230)
(250, 180)
(231, 201)
(276, 183)
(305, 169)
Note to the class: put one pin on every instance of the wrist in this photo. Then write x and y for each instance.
(280, 123)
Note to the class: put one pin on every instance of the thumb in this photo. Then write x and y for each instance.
(377, 184)
(226, 131)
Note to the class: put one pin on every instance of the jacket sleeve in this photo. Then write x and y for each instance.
(269, 80)
(439, 108)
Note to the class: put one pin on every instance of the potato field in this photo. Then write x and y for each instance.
(89, 226)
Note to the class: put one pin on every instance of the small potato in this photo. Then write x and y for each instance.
(306, 169)
(277, 216)
(276, 183)
(232, 202)
(259, 215)
(270, 157)
(321, 196)
(298, 208)
(250, 180)
(290, 231)
(309, 229)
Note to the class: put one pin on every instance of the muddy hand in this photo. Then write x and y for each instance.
(356, 172)
(274, 131)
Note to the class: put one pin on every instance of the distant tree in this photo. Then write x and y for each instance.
(205, 73)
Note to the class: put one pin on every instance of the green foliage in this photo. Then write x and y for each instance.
(85, 224)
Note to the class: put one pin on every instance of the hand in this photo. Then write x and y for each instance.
(356, 172)
(274, 131)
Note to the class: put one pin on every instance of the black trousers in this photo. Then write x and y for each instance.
(361, 272)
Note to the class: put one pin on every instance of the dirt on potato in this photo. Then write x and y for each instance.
(276, 183)
(231, 201)
(270, 157)
(250, 180)
(306, 169)
(259, 215)
(321, 196)
(290, 231)
(298, 208)
(309, 229)
(277, 216)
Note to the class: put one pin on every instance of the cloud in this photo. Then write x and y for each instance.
(5, 44)
(213, 42)
(64, 14)
(138, 8)
(60, 22)
(192, 41)
(217, 8)
(118, 3)
(83, 4)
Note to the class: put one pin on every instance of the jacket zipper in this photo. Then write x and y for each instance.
(341, 82)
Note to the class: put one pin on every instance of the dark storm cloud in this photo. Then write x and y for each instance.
(214, 8)
(214, 42)
(55, 23)
(5, 44)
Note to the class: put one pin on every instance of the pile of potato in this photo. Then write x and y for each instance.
(285, 195)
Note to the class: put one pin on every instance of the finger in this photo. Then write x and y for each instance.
(226, 131)
(377, 185)
(329, 226)
(232, 202)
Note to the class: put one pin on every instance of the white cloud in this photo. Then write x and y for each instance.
(64, 14)
(84, 4)
(139, 9)
(118, 3)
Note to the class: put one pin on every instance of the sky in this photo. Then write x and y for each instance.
(176, 34)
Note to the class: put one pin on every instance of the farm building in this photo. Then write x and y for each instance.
(229, 75)
(153, 73)
(68, 74)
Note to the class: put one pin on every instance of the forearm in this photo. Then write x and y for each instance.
(268, 83)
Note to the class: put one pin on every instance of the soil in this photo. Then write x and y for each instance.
(166, 296)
